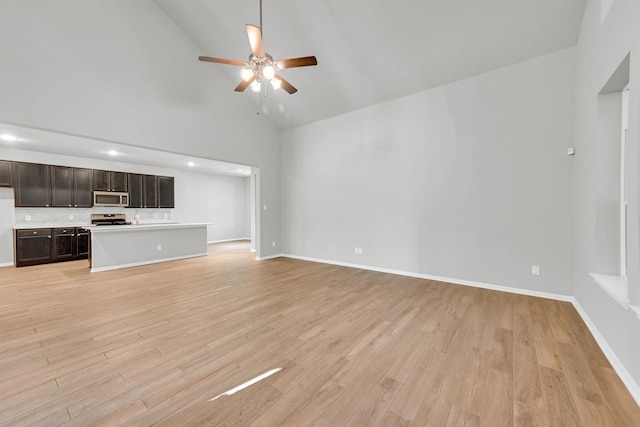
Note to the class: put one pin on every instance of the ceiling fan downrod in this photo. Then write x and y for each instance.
(261, 29)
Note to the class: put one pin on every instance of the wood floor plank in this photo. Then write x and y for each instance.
(155, 344)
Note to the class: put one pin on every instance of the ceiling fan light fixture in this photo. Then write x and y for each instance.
(268, 72)
(246, 73)
(255, 85)
(276, 83)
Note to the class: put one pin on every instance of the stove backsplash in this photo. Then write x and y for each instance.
(80, 216)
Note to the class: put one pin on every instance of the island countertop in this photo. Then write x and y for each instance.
(145, 226)
(121, 246)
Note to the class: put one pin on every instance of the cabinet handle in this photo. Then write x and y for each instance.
(46, 206)
(69, 205)
(48, 237)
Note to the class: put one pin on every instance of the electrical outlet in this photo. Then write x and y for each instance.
(27, 217)
(273, 243)
(159, 247)
(70, 217)
(535, 270)
(264, 207)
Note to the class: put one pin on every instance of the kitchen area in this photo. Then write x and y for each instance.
(46, 240)
(56, 208)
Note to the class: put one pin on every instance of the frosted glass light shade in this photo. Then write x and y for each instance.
(268, 72)
(246, 73)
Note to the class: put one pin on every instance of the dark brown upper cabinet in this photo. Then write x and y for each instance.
(149, 191)
(109, 181)
(61, 186)
(135, 190)
(6, 173)
(166, 196)
(71, 187)
(82, 188)
(32, 186)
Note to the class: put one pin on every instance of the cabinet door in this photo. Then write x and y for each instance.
(33, 246)
(82, 242)
(6, 173)
(119, 181)
(166, 192)
(82, 188)
(135, 190)
(150, 199)
(32, 185)
(61, 186)
(101, 180)
(64, 240)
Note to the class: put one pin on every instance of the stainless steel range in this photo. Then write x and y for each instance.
(109, 219)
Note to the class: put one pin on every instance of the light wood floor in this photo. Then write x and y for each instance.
(154, 345)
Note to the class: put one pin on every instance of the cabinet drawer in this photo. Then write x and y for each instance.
(34, 232)
(59, 231)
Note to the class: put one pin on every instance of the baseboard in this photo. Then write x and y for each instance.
(228, 240)
(489, 286)
(6, 264)
(617, 365)
(137, 264)
(263, 258)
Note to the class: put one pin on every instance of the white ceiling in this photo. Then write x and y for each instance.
(370, 51)
(72, 145)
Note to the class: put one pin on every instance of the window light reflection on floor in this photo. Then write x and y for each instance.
(247, 384)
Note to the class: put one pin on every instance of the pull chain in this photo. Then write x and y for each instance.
(257, 103)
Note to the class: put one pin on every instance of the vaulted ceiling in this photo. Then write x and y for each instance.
(370, 51)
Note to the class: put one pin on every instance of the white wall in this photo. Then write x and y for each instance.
(601, 48)
(218, 200)
(7, 219)
(122, 71)
(468, 181)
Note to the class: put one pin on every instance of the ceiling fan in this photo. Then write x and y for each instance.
(261, 66)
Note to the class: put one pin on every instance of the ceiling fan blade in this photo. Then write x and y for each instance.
(286, 85)
(297, 62)
(255, 39)
(221, 60)
(244, 84)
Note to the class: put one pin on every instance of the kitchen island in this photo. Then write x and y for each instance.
(133, 245)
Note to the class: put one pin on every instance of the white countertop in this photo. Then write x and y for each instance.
(150, 226)
(49, 225)
(101, 228)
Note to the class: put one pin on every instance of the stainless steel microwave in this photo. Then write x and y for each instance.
(110, 198)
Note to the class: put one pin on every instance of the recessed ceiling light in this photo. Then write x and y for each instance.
(191, 164)
(112, 152)
(7, 137)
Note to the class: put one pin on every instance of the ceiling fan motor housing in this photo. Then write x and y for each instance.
(258, 65)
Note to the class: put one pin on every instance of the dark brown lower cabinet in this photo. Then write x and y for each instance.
(44, 245)
(33, 246)
(64, 244)
(82, 240)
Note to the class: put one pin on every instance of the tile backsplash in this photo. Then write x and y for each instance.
(80, 216)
